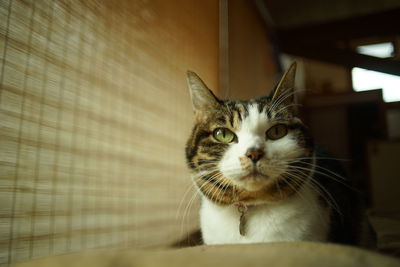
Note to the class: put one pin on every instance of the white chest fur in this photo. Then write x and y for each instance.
(298, 218)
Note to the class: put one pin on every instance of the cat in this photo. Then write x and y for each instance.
(262, 178)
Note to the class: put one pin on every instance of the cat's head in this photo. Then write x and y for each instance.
(255, 150)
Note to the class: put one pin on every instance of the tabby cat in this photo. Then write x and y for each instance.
(262, 178)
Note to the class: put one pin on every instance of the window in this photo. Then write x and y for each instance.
(364, 80)
(382, 50)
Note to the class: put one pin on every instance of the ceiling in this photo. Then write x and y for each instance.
(327, 30)
(289, 13)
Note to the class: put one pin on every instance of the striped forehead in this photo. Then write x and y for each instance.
(256, 119)
(248, 114)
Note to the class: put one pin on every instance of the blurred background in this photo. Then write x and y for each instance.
(95, 111)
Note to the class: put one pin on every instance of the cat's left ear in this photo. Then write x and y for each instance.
(284, 91)
(203, 98)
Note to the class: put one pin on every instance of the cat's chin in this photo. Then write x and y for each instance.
(253, 182)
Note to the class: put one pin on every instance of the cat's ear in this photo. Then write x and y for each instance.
(284, 91)
(203, 98)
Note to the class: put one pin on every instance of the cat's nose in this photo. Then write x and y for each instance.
(254, 154)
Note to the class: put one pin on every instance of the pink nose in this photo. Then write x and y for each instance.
(254, 154)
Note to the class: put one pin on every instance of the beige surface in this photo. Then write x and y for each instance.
(272, 254)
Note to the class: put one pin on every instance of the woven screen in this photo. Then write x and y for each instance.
(94, 117)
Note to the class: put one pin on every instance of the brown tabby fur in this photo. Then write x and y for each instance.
(204, 152)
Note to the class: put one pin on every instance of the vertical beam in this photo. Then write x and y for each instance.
(265, 14)
(223, 48)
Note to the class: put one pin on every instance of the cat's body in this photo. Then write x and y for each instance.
(260, 175)
(290, 219)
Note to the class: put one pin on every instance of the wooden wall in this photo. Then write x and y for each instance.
(252, 71)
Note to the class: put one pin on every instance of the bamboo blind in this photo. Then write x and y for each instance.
(94, 116)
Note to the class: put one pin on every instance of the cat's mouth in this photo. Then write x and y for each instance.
(253, 181)
(254, 175)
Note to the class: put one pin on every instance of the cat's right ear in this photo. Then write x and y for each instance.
(203, 98)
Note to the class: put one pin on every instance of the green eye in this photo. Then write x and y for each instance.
(224, 135)
(277, 131)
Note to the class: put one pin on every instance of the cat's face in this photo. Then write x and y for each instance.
(254, 150)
